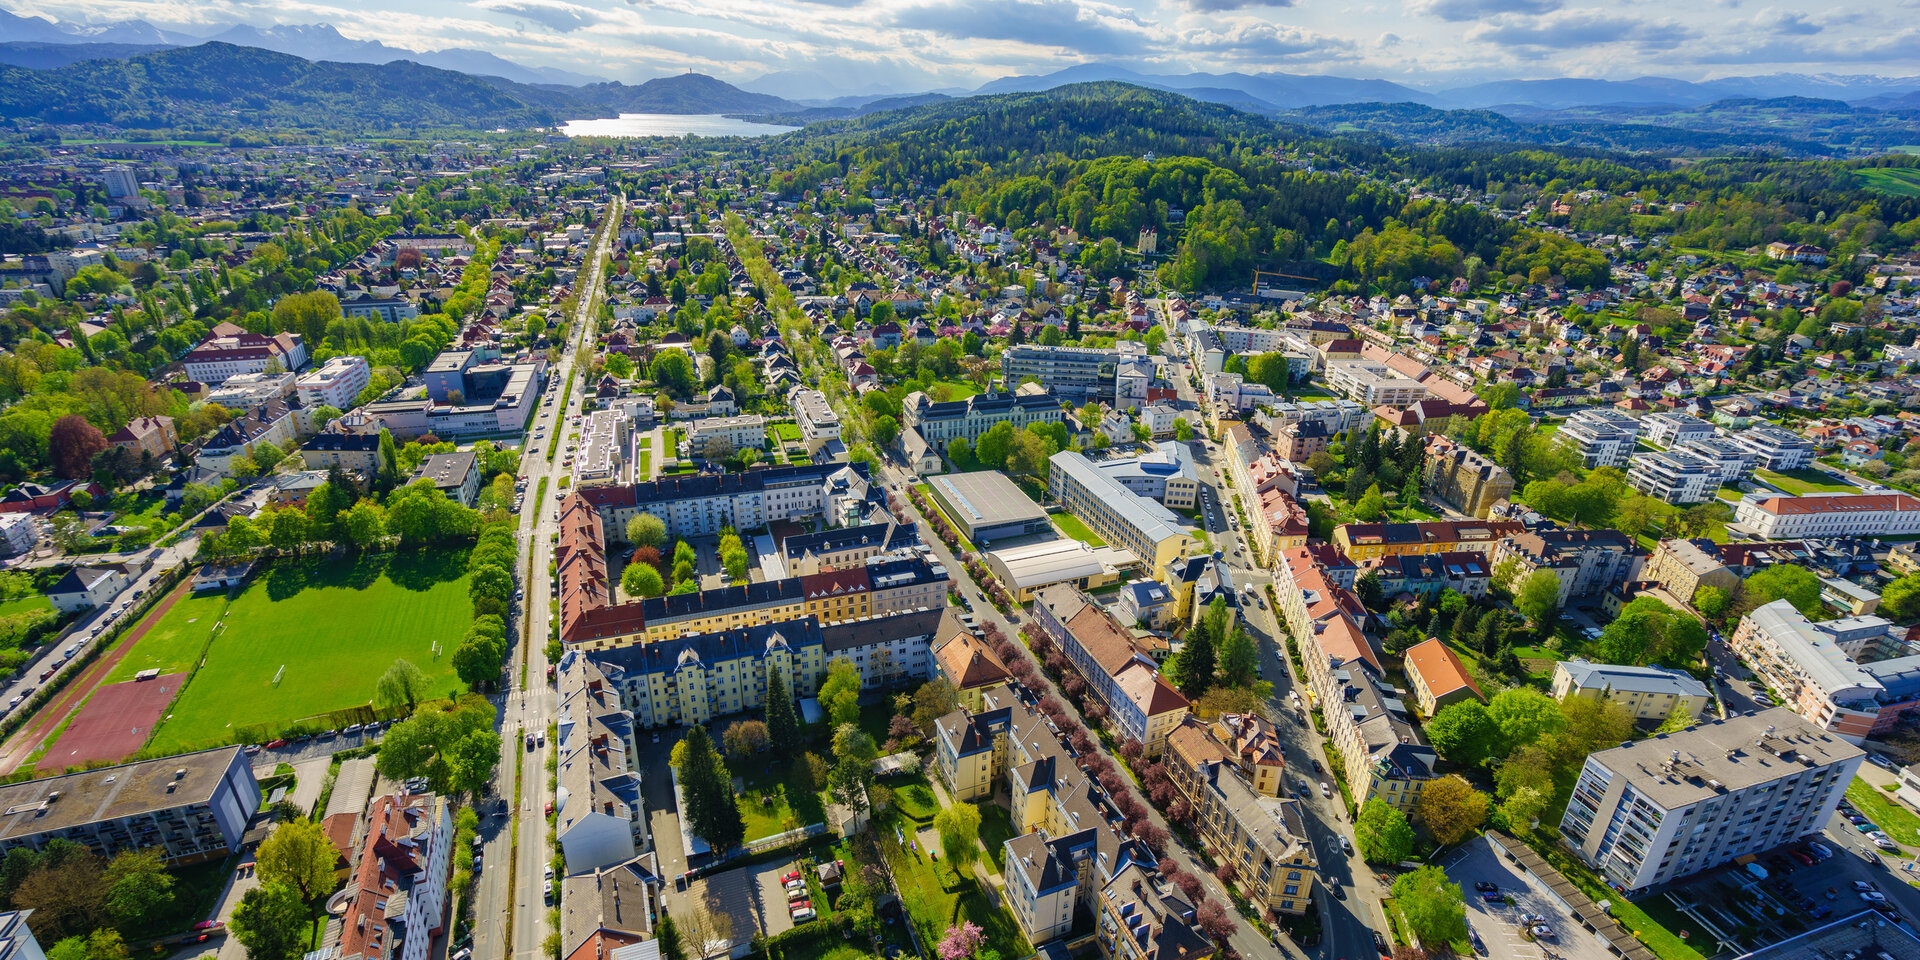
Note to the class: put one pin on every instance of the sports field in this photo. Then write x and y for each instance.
(334, 624)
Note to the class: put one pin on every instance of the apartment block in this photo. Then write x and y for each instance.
(1373, 384)
(1121, 517)
(601, 816)
(1261, 834)
(398, 886)
(1603, 437)
(1075, 374)
(1646, 693)
(1141, 705)
(1667, 429)
(1682, 567)
(1364, 541)
(1773, 517)
(1731, 462)
(1774, 448)
(230, 350)
(1460, 476)
(190, 809)
(834, 494)
(1674, 478)
(1652, 811)
(815, 417)
(336, 384)
(1854, 677)
(716, 438)
(1071, 869)
(1464, 572)
(1438, 677)
(1588, 562)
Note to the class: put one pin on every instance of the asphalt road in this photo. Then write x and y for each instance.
(528, 707)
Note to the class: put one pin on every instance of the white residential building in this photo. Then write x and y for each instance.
(1373, 384)
(1778, 517)
(1774, 448)
(1732, 463)
(1856, 676)
(335, 384)
(815, 417)
(1602, 437)
(1667, 429)
(1655, 810)
(716, 438)
(1675, 478)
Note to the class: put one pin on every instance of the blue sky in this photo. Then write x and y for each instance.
(854, 45)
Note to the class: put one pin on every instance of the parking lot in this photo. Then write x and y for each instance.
(1744, 911)
(751, 897)
(1498, 925)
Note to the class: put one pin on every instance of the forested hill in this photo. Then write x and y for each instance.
(1423, 124)
(684, 93)
(1078, 120)
(222, 86)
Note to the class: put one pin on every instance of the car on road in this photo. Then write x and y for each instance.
(275, 744)
(1487, 886)
(1878, 760)
(209, 925)
(549, 813)
(1326, 790)
(1346, 845)
(1339, 892)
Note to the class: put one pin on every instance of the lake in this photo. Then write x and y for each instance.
(671, 125)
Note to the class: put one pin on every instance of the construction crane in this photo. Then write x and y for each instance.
(1257, 274)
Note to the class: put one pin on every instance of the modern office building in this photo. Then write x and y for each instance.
(1118, 515)
(1855, 676)
(1774, 448)
(190, 808)
(1651, 811)
(986, 506)
(1775, 517)
(1165, 474)
(1647, 693)
(1731, 462)
(1602, 437)
(1674, 478)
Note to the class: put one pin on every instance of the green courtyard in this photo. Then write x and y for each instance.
(333, 624)
(1805, 481)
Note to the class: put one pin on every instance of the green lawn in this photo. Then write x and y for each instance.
(937, 899)
(914, 796)
(784, 432)
(335, 624)
(1876, 805)
(1899, 181)
(174, 643)
(1073, 527)
(996, 828)
(1802, 482)
(18, 605)
(944, 390)
(772, 802)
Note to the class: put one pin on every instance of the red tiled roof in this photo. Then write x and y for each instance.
(1438, 668)
(1839, 503)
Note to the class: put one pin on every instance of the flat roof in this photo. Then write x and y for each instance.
(1864, 934)
(985, 498)
(112, 793)
(1712, 758)
(1154, 521)
(1049, 561)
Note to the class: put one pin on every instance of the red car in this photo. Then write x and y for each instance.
(549, 806)
(208, 925)
(275, 744)
(799, 905)
(791, 877)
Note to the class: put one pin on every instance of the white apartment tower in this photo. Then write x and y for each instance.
(1650, 811)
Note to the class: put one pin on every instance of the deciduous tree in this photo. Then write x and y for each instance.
(298, 855)
(1450, 809)
(1432, 906)
(1383, 833)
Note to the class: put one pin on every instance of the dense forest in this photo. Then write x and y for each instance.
(1234, 191)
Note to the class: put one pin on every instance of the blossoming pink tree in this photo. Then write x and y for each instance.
(960, 942)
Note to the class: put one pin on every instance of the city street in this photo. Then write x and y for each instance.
(510, 901)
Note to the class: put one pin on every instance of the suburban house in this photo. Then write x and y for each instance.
(84, 588)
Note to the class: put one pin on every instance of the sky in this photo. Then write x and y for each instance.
(818, 47)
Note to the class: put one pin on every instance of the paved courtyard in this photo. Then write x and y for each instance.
(1498, 924)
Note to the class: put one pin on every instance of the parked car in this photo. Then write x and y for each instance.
(802, 916)
(1326, 790)
(1802, 856)
(1487, 886)
(1873, 896)
(1820, 850)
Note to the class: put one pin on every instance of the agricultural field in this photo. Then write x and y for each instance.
(1898, 181)
(332, 624)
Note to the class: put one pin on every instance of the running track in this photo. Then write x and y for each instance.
(30, 736)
